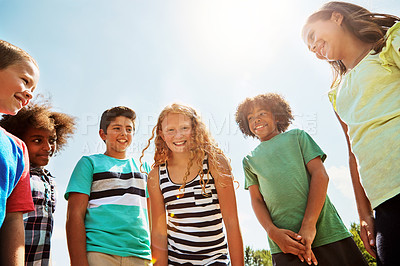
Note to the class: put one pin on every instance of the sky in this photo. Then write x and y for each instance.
(211, 55)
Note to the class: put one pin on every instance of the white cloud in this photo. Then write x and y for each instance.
(340, 178)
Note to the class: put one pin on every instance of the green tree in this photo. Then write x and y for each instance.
(260, 257)
(355, 230)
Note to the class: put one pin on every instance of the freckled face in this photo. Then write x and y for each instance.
(262, 124)
(176, 131)
(17, 82)
(41, 145)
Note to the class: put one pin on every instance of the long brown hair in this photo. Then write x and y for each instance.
(366, 26)
(202, 144)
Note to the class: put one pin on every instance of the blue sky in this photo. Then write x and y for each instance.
(209, 54)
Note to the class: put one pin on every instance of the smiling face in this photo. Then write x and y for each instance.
(118, 137)
(176, 131)
(41, 145)
(326, 38)
(262, 124)
(17, 82)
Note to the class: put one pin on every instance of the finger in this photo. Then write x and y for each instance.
(301, 258)
(308, 254)
(371, 236)
(368, 240)
(313, 258)
(297, 245)
(293, 235)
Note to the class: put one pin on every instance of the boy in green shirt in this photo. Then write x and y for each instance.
(288, 183)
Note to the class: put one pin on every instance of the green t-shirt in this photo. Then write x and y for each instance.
(116, 220)
(278, 168)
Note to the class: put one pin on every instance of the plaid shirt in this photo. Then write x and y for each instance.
(39, 223)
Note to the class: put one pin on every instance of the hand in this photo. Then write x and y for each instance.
(307, 234)
(288, 241)
(367, 234)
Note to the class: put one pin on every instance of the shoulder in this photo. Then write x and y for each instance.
(220, 167)
(293, 132)
(153, 181)
(154, 173)
(394, 30)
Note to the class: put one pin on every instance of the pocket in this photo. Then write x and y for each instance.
(202, 198)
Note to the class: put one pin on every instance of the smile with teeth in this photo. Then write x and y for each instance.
(122, 141)
(259, 127)
(180, 143)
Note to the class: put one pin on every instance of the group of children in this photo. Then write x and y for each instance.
(182, 210)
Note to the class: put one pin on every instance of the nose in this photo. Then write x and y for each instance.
(28, 95)
(46, 146)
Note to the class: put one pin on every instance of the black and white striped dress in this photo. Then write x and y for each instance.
(195, 229)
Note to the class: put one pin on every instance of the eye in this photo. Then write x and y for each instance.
(25, 81)
(129, 130)
(52, 140)
(250, 118)
(37, 141)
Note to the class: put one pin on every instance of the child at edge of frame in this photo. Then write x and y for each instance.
(107, 217)
(45, 134)
(363, 50)
(19, 75)
(288, 188)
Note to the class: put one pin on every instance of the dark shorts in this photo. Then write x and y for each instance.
(387, 223)
(343, 252)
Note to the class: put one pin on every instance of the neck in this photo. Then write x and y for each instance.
(356, 53)
(180, 158)
(116, 155)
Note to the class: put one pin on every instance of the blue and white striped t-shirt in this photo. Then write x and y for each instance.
(195, 229)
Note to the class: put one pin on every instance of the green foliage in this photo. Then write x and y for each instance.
(257, 257)
(355, 230)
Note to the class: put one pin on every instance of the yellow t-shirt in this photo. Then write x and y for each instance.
(368, 101)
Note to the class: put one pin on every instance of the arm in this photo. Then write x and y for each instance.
(75, 227)
(227, 201)
(315, 202)
(287, 240)
(364, 208)
(12, 240)
(159, 246)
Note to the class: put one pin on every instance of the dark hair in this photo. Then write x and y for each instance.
(11, 54)
(110, 114)
(271, 102)
(40, 116)
(366, 26)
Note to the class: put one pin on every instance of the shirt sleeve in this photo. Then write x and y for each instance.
(391, 52)
(81, 178)
(250, 178)
(20, 199)
(309, 147)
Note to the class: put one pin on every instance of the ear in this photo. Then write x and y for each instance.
(337, 18)
(102, 134)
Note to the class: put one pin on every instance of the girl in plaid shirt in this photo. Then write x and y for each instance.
(45, 133)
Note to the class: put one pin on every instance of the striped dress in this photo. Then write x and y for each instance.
(195, 229)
